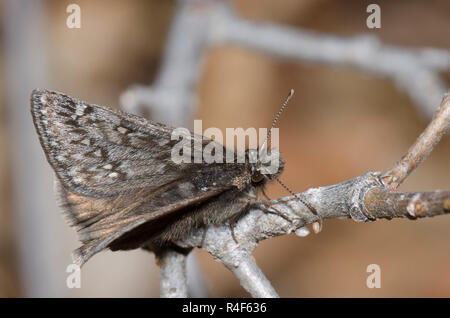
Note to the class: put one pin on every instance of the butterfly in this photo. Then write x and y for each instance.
(119, 187)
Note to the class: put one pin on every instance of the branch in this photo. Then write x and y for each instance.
(386, 204)
(173, 280)
(243, 266)
(421, 148)
(364, 199)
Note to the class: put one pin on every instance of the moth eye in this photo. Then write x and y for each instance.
(257, 177)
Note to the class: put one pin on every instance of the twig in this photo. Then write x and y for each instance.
(421, 148)
(25, 63)
(383, 203)
(250, 276)
(363, 199)
(173, 280)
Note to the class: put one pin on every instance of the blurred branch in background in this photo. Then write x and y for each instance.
(171, 98)
(414, 70)
(37, 222)
(200, 24)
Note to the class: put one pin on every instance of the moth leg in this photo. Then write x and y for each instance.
(268, 207)
(232, 225)
(264, 194)
(305, 203)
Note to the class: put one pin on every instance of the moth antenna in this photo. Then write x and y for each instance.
(285, 187)
(291, 93)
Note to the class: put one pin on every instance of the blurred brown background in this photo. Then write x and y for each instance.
(340, 124)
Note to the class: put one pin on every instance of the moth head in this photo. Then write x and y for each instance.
(265, 165)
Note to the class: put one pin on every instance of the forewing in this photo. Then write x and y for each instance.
(99, 152)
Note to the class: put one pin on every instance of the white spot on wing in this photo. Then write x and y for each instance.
(107, 167)
(113, 175)
(78, 179)
(122, 130)
(98, 153)
(80, 110)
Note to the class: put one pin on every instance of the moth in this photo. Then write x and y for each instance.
(118, 186)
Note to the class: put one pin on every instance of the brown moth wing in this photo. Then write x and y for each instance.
(115, 169)
(97, 151)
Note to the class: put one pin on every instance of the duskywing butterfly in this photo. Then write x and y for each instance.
(118, 186)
